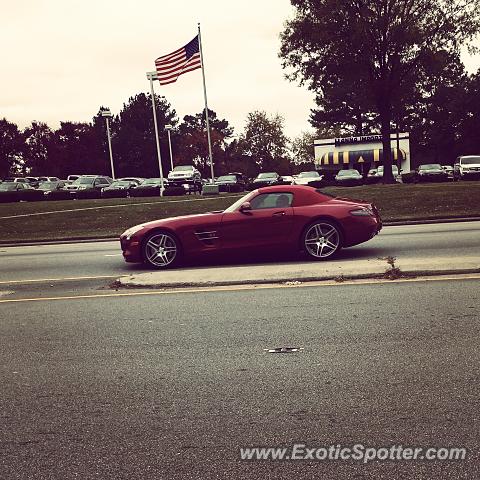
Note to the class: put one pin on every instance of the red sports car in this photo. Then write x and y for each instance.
(286, 218)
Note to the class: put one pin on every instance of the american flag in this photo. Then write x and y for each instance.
(185, 59)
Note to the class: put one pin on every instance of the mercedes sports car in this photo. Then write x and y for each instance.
(284, 218)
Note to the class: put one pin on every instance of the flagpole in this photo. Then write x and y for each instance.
(151, 76)
(206, 105)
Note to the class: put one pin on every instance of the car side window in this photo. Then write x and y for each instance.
(272, 200)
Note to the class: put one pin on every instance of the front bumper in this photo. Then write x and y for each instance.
(131, 249)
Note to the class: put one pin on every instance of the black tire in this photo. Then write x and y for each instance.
(321, 240)
(168, 254)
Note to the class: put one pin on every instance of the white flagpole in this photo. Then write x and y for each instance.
(153, 76)
(206, 105)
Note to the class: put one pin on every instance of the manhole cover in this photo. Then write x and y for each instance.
(283, 349)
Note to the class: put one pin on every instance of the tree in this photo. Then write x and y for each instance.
(375, 47)
(133, 136)
(264, 141)
(302, 148)
(39, 140)
(191, 141)
(11, 147)
(77, 149)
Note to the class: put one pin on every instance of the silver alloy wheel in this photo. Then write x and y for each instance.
(160, 250)
(322, 240)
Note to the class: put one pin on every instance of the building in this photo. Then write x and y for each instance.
(361, 153)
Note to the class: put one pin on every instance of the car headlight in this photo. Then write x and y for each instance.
(128, 234)
(362, 212)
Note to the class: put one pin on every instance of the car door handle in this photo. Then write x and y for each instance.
(278, 214)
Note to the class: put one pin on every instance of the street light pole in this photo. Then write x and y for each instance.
(168, 128)
(108, 114)
(153, 76)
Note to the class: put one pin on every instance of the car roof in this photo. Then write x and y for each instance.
(303, 195)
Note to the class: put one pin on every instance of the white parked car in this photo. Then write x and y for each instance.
(184, 172)
(305, 178)
(467, 167)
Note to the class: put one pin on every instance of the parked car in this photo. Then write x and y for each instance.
(467, 167)
(265, 179)
(284, 218)
(54, 190)
(88, 186)
(33, 181)
(16, 180)
(348, 178)
(136, 180)
(375, 175)
(72, 178)
(448, 169)
(286, 180)
(18, 191)
(229, 183)
(431, 172)
(48, 179)
(118, 189)
(186, 176)
(308, 178)
(150, 187)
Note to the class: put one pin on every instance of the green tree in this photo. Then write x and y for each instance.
(133, 136)
(39, 140)
(11, 148)
(379, 46)
(264, 141)
(77, 149)
(302, 148)
(191, 142)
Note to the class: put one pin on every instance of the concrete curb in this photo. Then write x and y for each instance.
(339, 270)
(405, 275)
(30, 243)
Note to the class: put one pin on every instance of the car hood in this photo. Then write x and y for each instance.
(306, 180)
(184, 220)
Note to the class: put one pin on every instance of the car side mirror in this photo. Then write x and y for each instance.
(245, 207)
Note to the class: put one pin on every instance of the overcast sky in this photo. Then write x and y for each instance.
(62, 59)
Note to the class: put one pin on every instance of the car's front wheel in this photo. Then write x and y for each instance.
(161, 250)
(322, 240)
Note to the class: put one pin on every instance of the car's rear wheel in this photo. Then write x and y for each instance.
(161, 250)
(321, 240)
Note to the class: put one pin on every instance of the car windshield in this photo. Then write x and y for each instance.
(394, 169)
(225, 178)
(237, 204)
(84, 181)
(431, 166)
(120, 183)
(7, 187)
(267, 175)
(348, 173)
(151, 181)
(308, 174)
(183, 168)
(47, 185)
(470, 160)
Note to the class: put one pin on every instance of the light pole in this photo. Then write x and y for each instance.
(151, 77)
(168, 128)
(108, 114)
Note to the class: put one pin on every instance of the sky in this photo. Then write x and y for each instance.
(63, 59)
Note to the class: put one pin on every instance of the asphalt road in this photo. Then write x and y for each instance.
(172, 385)
(103, 259)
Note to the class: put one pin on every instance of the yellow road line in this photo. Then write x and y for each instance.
(247, 287)
(34, 280)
